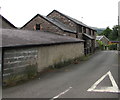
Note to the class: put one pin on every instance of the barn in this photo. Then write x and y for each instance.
(24, 48)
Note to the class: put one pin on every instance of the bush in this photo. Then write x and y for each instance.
(113, 47)
(14, 79)
(31, 71)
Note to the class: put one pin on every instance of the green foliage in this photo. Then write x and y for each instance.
(113, 47)
(71, 61)
(106, 32)
(101, 44)
(114, 33)
(31, 71)
(13, 79)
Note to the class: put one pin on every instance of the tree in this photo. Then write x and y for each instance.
(106, 32)
(114, 33)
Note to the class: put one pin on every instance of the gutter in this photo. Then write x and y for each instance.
(41, 45)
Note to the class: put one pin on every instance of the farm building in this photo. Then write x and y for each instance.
(23, 48)
(43, 23)
(83, 31)
(59, 23)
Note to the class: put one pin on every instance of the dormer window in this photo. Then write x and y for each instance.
(37, 26)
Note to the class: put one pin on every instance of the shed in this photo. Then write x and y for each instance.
(23, 48)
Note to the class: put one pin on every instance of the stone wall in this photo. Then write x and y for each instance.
(63, 19)
(6, 25)
(45, 25)
(17, 60)
(105, 41)
(70, 23)
(48, 56)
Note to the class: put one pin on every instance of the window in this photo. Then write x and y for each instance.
(80, 29)
(90, 31)
(93, 33)
(84, 30)
(37, 26)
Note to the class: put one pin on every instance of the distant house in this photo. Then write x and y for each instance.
(82, 31)
(42, 23)
(23, 48)
(105, 41)
(4, 23)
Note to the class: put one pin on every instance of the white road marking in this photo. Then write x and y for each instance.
(61, 93)
(113, 89)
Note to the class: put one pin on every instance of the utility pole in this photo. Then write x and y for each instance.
(119, 25)
(118, 33)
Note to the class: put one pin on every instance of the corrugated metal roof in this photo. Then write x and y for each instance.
(12, 38)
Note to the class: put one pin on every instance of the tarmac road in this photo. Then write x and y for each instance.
(74, 81)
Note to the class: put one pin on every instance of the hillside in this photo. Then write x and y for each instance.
(99, 30)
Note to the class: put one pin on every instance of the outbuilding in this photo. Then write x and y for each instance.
(23, 48)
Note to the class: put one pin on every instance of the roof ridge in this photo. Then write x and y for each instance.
(73, 19)
(46, 18)
(28, 37)
(7, 21)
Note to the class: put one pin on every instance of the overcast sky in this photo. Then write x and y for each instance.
(95, 13)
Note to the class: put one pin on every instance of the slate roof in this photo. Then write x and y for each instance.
(17, 38)
(72, 19)
(61, 25)
(3, 18)
(54, 22)
(88, 36)
(100, 37)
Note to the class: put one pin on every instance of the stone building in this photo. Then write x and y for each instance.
(4, 23)
(59, 23)
(23, 48)
(82, 31)
(42, 23)
(104, 40)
